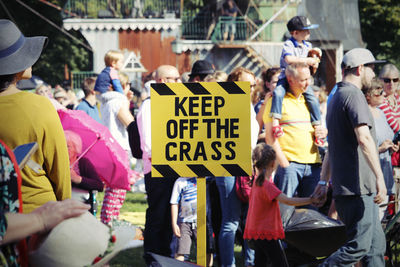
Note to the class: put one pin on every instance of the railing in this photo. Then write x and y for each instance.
(243, 29)
(122, 8)
(196, 26)
(77, 78)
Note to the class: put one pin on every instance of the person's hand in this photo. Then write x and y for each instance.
(75, 178)
(313, 62)
(395, 147)
(387, 144)
(285, 163)
(53, 212)
(380, 191)
(267, 96)
(319, 195)
(176, 230)
(320, 132)
(129, 95)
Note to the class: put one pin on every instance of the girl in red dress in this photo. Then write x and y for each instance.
(264, 226)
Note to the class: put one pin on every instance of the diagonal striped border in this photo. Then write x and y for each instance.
(197, 89)
(200, 170)
(166, 171)
(235, 170)
(162, 89)
(231, 88)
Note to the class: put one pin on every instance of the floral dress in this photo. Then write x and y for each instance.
(9, 201)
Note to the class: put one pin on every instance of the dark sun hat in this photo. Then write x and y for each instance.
(202, 67)
(17, 52)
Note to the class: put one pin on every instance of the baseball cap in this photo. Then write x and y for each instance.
(298, 23)
(357, 57)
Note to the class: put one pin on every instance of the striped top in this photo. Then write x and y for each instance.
(184, 194)
(392, 113)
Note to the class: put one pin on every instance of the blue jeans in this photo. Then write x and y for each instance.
(311, 101)
(365, 237)
(231, 208)
(298, 178)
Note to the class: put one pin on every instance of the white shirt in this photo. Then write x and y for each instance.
(143, 119)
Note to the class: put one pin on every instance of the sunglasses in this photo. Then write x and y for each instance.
(379, 94)
(388, 80)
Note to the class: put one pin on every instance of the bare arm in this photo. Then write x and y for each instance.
(293, 201)
(125, 116)
(174, 220)
(273, 142)
(320, 191)
(368, 148)
(259, 117)
(311, 61)
(42, 219)
(260, 113)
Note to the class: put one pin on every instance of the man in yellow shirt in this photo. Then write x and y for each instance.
(297, 155)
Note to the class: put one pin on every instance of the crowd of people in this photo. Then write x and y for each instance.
(294, 162)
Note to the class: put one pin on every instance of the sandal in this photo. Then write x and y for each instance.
(277, 131)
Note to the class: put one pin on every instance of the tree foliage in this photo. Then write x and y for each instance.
(60, 49)
(380, 28)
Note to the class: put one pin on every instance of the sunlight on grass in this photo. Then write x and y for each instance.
(136, 218)
(133, 210)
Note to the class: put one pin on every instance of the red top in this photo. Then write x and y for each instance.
(264, 218)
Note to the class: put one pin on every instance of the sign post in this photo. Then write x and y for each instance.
(200, 130)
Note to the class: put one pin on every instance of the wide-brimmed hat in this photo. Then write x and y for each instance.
(299, 23)
(82, 241)
(17, 52)
(357, 57)
(202, 67)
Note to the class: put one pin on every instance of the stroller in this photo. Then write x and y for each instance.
(310, 236)
(392, 233)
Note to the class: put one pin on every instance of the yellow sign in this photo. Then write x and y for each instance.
(200, 129)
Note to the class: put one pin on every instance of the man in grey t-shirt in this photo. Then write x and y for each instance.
(352, 163)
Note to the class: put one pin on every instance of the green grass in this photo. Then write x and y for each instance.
(133, 210)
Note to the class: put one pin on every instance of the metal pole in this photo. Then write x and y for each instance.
(269, 21)
(201, 222)
(181, 10)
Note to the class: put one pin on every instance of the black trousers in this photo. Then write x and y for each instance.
(269, 251)
(158, 230)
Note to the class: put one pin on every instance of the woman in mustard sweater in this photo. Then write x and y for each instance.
(26, 117)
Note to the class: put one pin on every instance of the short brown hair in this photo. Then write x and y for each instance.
(218, 76)
(267, 76)
(236, 73)
(112, 56)
(88, 85)
(376, 84)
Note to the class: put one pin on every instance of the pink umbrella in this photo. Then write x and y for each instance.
(99, 147)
